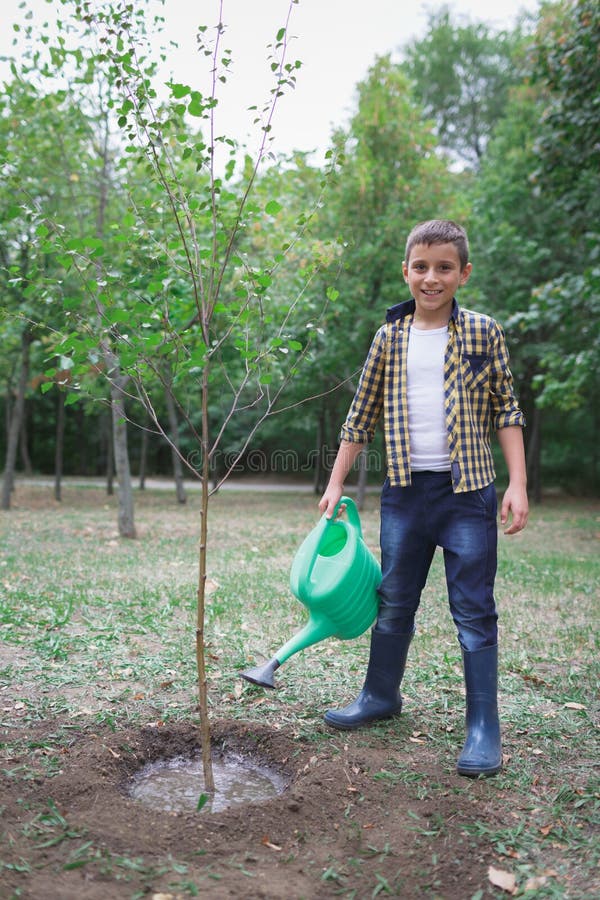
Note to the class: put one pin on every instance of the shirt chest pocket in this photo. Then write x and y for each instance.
(475, 369)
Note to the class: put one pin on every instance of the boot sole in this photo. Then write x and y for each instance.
(353, 726)
(474, 773)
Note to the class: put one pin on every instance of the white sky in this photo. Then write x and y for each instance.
(336, 40)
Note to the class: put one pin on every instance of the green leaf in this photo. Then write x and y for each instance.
(117, 315)
(202, 801)
(196, 107)
(179, 90)
(273, 207)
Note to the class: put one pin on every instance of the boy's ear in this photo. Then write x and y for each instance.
(464, 275)
(405, 270)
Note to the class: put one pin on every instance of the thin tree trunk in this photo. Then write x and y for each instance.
(205, 740)
(319, 475)
(110, 455)
(59, 445)
(174, 428)
(534, 456)
(143, 459)
(15, 421)
(24, 444)
(126, 522)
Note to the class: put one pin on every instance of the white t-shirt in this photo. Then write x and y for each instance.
(425, 391)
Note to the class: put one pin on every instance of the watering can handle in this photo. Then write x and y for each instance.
(353, 517)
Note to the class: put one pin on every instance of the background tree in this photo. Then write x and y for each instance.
(528, 253)
(391, 178)
(462, 75)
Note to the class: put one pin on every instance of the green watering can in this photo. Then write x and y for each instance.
(335, 575)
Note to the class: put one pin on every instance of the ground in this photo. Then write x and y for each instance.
(97, 679)
(335, 830)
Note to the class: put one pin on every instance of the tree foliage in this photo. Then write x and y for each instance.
(462, 75)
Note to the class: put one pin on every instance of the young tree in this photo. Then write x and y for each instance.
(210, 313)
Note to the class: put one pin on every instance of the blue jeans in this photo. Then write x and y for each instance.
(417, 519)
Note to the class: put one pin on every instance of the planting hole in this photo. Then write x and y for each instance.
(177, 785)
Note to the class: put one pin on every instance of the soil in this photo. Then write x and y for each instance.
(344, 826)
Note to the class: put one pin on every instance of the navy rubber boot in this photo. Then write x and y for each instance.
(482, 752)
(380, 696)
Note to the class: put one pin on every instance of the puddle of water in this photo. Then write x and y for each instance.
(175, 785)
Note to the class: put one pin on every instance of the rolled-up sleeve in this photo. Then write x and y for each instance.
(367, 404)
(505, 409)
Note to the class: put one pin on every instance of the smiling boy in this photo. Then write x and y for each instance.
(439, 376)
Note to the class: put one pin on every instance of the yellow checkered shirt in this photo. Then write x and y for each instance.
(478, 395)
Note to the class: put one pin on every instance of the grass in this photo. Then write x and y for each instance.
(97, 629)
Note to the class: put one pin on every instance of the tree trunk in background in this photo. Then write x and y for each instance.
(361, 488)
(174, 432)
(59, 445)
(534, 455)
(16, 418)
(320, 475)
(24, 444)
(110, 455)
(143, 459)
(119, 424)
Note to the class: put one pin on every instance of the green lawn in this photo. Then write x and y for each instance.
(94, 629)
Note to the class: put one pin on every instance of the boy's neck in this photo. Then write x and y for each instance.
(429, 324)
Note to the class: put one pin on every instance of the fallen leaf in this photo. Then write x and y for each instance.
(533, 884)
(237, 690)
(267, 843)
(417, 740)
(535, 679)
(572, 705)
(506, 881)
(546, 829)
(114, 753)
(138, 696)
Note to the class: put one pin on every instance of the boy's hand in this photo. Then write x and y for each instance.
(330, 500)
(515, 502)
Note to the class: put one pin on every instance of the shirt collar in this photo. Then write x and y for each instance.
(407, 308)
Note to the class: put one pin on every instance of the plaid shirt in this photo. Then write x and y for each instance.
(478, 395)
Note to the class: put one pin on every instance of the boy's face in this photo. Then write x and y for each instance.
(433, 274)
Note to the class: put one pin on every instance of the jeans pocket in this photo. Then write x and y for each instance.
(488, 498)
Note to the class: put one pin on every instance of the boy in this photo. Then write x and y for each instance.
(439, 375)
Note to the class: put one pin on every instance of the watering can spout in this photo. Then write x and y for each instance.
(262, 675)
(336, 577)
(312, 632)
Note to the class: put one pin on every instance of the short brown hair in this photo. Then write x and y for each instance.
(439, 231)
